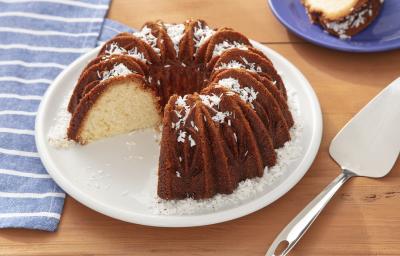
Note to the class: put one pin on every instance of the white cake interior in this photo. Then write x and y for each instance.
(123, 107)
(331, 9)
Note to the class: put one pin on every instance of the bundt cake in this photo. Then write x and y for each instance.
(222, 105)
(343, 18)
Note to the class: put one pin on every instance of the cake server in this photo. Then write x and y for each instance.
(367, 146)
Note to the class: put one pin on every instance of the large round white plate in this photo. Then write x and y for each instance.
(117, 176)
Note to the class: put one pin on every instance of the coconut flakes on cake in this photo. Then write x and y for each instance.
(134, 52)
(213, 101)
(247, 189)
(201, 34)
(115, 49)
(175, 32)
(233, 64)
(118, 70)
(251, 66)
(225, 45)
(146, 35)
(247, 94)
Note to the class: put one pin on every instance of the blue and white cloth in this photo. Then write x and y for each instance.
(38, 39)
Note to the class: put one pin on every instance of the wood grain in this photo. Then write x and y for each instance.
(363, 219)
(253, 17)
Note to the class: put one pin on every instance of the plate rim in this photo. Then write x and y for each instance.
(348, 48)
(182, 220)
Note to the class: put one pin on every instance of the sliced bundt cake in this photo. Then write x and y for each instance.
(222, 104)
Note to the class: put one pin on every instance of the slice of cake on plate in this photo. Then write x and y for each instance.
(343, 18)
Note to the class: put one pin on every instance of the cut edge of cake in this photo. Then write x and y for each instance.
(116, 106)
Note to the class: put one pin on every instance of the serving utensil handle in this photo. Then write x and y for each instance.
(292, 233)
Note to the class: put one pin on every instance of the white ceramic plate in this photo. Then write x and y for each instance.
(117, 176)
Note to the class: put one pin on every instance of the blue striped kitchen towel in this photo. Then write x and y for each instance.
(38, 38)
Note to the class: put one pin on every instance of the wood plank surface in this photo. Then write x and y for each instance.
(252, 17)
(364, 217)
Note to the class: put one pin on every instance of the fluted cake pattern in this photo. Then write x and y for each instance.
(222, 104)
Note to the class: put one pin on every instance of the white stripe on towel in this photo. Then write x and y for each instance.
(31, 195)
(64, 2)
(17, 112)
(18, 153)
(20, 97)
(25, 174)
(32, 64)
(49, 17)
(43, 48)
(25, 81)
(30, 214)
(44, 32)
(17, 131)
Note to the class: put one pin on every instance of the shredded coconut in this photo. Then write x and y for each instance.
(211, 100)
(146, 35)
(251, 65)
(233, 64)
(134, 52)
(352, 21)
(220, 116)
(192, 141)
(57, 136)
(225, 45)
(247, 94)
(181, 101)
(118, 70)
(182, 115)
(175, 32)
(181, 136)
(201, 34)
(115, 49)
(235, 136)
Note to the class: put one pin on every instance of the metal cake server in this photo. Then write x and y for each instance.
(368, 146)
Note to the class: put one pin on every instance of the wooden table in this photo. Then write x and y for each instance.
(363, 219)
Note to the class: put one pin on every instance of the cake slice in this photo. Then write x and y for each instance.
(343, 18)
(118, 105)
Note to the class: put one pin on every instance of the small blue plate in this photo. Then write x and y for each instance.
(382, 35)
